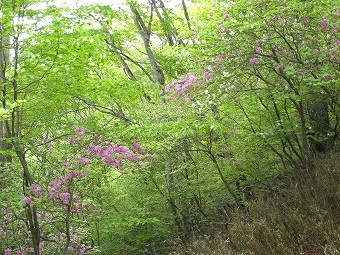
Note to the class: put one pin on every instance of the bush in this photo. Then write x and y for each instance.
(298, 219)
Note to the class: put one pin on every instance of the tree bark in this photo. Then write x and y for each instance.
(321, 139)
(4, 61)
(186, 14)
(145, 33)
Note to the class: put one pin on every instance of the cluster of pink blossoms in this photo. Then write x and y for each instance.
(107, 153)
(61, 192)
(182, 88)
(37, 191)
(21, 251)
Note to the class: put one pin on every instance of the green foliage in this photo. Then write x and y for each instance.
(232, 146)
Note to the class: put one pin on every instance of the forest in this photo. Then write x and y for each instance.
(179, 127)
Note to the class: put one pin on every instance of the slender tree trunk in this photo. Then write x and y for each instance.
(145, 33)
(224, 180)
(10, 126)
(4, 62)
(167, 28)
(321, 140)
(126, 67)
(186, 14)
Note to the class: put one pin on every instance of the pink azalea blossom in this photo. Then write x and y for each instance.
(225, 15)
(7, 251)
(75, 140)
(21, 251)
(84, 161)
(27, 200)
(254, 61)
(80, 131)
(325, 23)
(149, 159)
(36, 189)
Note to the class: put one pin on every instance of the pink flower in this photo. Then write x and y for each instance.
(80, 130)
(136, 146)
(225, 15)
(334, 31)
(208, 74)
(27, 200)
(325, 23)
(85, 161)
(7, 251)
(149, 159)
(52, 195)
(253, 61)
(259, 49)
(55, 185)
(219, 58)
(64, 197)
(330, 55)
(41, 245)
(20, 252)
(75, 140)
(36, 189)
(95, 212)
(122, 149)
(67, 164)
(7, 210)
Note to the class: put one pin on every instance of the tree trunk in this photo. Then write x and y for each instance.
(4, 61)
(145, 33)
(186, 14)
(321, 137)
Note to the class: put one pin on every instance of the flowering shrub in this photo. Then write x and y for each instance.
(60, 210)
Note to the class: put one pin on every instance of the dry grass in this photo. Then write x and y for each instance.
(298, 220)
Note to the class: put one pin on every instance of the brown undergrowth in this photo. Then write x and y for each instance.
(299, 219)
